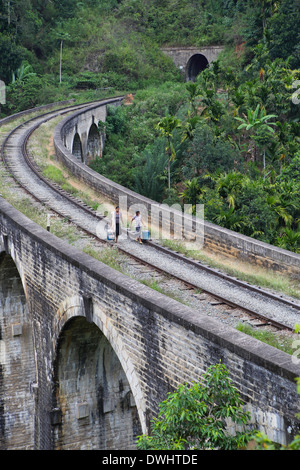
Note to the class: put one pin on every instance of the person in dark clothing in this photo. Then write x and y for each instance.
(116, 220)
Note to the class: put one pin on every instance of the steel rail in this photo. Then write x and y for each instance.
(226, 277)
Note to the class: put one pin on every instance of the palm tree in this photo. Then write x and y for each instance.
(166, 126)
(257, 120)
(267, 9)
(189, 126)
(228, 185)
(282, 209)
(232, 220)
(191, 192)
(290, 240)
(62, 36)
(193, 90)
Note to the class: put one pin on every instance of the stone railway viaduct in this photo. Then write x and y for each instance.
(86, 353)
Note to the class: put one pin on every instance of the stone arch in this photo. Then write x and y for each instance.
(77, 147)
(114, 339)
(17, 361)
(196, 64)
(93, 143)
(92, 399)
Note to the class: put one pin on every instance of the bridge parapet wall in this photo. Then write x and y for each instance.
(159, 342)
(80, 125)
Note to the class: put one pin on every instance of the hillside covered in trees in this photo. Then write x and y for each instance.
(230, 139)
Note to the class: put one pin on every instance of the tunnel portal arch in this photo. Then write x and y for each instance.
(196, 64)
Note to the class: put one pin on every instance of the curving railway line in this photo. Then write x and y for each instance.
(217, 293)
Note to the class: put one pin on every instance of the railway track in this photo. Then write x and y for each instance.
(208, 287)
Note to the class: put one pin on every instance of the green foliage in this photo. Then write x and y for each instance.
(131, 139)
(191, 191)
(166, 126)
(225, 127)
(257, 208)
(216, 137)
(196, 416)
(11, 57)
(120, 40)
(285, 32)
(191, 22)
(255, 119)
(208, 152)
(150, 174)
(291, 171)
(262, 442)
(24, 91)
(284, 343)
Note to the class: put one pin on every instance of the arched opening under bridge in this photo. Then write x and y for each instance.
(91, 393)
(77, 147)
(93, 143)
(17, 362)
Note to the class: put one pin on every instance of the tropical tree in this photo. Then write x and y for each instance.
(62, 36)
(267, 9)
(166, 127)
(228, 185)
(282, 209)
(11, 57)
(289, 240)
(196, 416)
(193, 92)
(231, 219)
(188, 127)
(23, 72)
(257, 120)
(191, 192)
(25, 88)
(150, 178)
(207, 152)
(262, 140)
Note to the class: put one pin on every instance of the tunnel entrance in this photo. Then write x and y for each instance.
(91, 393)
(17, 362)
(196, 64)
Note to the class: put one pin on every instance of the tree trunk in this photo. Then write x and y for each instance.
(60, 62)
(8, 12)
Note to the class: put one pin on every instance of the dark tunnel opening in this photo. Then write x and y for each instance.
(196, 64)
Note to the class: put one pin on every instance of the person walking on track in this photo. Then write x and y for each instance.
(137, 218)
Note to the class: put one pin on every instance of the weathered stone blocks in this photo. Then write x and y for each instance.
(98, 351)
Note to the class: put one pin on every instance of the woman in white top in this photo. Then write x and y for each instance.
(137, 218)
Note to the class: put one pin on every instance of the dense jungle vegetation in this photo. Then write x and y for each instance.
(230, 139)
